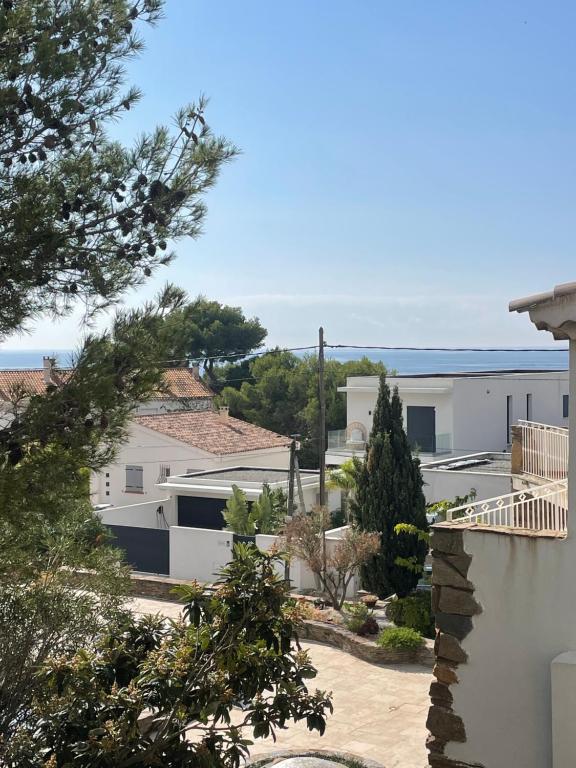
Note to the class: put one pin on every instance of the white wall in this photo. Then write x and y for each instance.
(440, 484)
(197, 553)
(150, 449)
(144, 515)
(525, 586)
(480, 407)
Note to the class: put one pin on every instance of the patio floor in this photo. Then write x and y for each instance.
(379, 712)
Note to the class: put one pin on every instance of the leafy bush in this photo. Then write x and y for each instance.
(358, 618)
(413, 611)
(400, 639)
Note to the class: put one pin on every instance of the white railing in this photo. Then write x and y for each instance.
(542, 508)
(544, 450)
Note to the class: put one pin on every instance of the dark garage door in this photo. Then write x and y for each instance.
(146, 549)
(197, 512)
(421, 427)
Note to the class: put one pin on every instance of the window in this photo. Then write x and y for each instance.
(134, 479)
(528, 407)
(565, 405)
(508, 418)
(107, 484)
(164, 472)
(107, 493)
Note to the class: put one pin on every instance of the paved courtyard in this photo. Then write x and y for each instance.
(379, 712)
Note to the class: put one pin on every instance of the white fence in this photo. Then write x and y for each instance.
(542, 508)
(544, 450)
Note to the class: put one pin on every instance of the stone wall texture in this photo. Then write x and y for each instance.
(455, 606)
(363, 647)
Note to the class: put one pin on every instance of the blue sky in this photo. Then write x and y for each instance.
(407, 167)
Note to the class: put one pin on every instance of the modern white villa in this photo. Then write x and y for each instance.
(458, 413)
(503, 576)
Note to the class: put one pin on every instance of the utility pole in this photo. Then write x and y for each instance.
(291, 474)
(322, 425)
(322, 440)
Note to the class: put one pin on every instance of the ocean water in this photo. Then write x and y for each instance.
(402, 361)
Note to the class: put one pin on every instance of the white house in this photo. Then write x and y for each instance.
(457, 413)
(183, 533)
(182, 442)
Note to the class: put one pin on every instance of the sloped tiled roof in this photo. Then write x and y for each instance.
(212, 432)
(32, 381)
(179, 383)
(182, 383)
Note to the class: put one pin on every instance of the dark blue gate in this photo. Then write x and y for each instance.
(145, 549)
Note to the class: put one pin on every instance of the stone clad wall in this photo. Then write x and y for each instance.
(454, 605)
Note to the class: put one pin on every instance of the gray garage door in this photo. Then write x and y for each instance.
(421, 427)
(145, 549)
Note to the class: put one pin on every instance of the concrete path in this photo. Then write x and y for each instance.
(379, 712)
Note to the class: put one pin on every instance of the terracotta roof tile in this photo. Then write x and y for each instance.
(213, 432)
(180, 383)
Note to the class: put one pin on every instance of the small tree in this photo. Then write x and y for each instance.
(389, 492)
(269, 510)
(237, 514)
(234, 646)
(345, 479)
(304, 540)
(265, 515)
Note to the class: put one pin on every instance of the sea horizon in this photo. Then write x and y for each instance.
(401, 361)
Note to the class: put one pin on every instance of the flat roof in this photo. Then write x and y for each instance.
(494, 463)
(249, 474)
(476, 374)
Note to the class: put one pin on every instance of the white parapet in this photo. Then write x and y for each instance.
(563, 683)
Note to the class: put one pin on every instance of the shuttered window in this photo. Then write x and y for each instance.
(134, 479)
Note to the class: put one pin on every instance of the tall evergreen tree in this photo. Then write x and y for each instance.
(390, 492)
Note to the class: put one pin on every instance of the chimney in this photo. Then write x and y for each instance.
(223, 412)
(196, 372)
(48, 368)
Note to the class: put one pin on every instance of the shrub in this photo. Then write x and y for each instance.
(358, 618)
(400, 639)
(414, 611)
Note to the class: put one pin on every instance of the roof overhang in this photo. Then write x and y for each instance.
(553, 311)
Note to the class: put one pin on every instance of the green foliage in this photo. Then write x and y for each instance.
(389, 492)
(265, 515)
(237, 514)
(414, 611)
(282, 395)
(42, 609)
(440, 508)
(269, 510)
(399, 639)
(412, 563)
(358, 618)
(233, 646)
(83, 217)
(212, 332)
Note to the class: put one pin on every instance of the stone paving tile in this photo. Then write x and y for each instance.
(379, 712)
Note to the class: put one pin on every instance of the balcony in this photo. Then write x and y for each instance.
(544, 508)
(540, 450)
(540, 455)
(340, 440)
(352, 442)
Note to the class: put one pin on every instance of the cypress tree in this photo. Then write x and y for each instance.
(390, 492)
